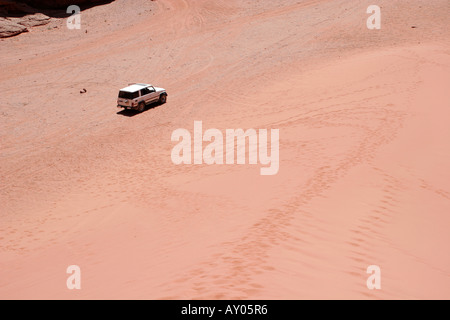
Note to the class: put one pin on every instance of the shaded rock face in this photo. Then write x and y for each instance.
(8, 7)
(58, 4)
(16, 18)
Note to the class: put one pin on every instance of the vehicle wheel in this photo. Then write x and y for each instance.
(163, 98)
(141, 106)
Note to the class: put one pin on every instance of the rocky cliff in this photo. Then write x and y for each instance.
(58, 4)
(17, 17)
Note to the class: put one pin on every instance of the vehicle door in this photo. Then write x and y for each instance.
(145, 95)
(154, 95)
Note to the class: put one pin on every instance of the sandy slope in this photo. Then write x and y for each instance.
(363, 118)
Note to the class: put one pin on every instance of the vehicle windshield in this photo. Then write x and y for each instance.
(128, 95)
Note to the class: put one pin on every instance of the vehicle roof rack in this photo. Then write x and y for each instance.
(139, 84)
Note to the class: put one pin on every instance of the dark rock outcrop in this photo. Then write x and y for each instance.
(58, 4)
(8, 7)
(16, 18)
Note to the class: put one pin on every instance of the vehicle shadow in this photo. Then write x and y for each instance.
(132, 113)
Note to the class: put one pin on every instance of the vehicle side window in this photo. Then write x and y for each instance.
(145, 91)
(151, 89)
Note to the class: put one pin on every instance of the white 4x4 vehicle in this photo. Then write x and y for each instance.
(137, 96)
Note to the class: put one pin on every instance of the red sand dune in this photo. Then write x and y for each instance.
(364, 152)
